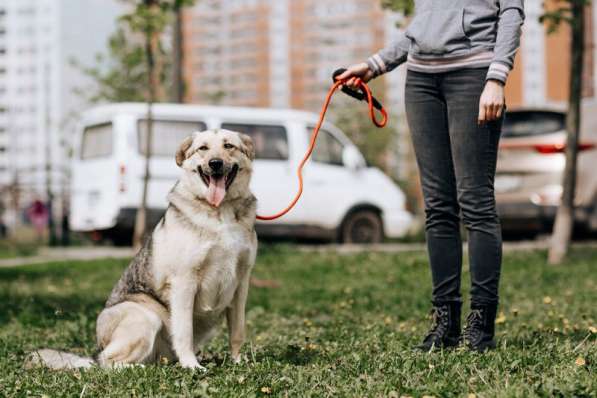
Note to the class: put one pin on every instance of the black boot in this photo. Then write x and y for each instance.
(445, 329)
(479, 330)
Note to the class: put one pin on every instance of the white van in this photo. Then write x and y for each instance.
(343, 198)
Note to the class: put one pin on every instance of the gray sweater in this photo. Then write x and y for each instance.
(451, 34)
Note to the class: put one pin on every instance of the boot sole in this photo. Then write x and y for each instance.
(483, 347)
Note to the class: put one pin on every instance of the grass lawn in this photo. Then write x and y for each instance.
(336, 326)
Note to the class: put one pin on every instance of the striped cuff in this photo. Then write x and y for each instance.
(377, 65)
(498, 71)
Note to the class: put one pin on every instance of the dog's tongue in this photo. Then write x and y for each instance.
(216, 191)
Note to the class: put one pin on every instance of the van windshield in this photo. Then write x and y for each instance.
(167, 135)
(97, 141)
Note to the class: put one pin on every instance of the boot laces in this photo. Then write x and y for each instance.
(474, 326)
(439, 325)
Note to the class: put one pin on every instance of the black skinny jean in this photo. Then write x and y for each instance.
(457, 160)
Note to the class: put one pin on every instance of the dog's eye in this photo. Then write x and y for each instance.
(228, 146)
(203, 148)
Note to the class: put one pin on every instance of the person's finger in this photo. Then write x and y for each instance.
(348, 73)
(490, 113)
(500, 111)
(482, 113)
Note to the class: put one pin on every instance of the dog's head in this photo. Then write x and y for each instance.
(217, 164)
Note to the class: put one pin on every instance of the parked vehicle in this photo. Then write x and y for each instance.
(530, 171)
(343, 198)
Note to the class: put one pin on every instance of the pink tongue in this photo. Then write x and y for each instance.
(216, 191)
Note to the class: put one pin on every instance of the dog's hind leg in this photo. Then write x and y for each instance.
(126, 334)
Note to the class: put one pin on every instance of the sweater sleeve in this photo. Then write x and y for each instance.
(509, 29)
(390, 57)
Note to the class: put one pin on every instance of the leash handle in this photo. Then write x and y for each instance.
(363, 95)
(359, 95)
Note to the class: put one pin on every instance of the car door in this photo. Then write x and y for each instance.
(330, 187)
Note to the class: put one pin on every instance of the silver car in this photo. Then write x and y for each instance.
(530, 169)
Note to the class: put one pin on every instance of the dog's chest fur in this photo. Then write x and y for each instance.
(211, 251)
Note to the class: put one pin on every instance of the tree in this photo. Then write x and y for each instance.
(407, 7)
(571, 12)
(121, 74)
(150, 18)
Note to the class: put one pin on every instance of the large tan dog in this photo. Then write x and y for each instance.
(194, 267)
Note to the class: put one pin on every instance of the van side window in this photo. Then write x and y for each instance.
(167, 135)
(327, 149)
(97, 141)
(271, 142)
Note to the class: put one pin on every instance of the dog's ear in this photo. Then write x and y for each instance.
(248, 148)
(181, 154)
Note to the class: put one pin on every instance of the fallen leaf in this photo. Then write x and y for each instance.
(501, 318)
(580, 361)
(266, 390)
(592, 329)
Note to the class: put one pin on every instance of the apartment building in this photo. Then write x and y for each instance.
(542, 69)
(277, 53)
(39, 39)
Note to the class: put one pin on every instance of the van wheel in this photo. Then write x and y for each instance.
(363, 226)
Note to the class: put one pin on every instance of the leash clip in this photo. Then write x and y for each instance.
(358, 95)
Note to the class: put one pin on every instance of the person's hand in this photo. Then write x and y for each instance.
(354, 72)
(491, 104)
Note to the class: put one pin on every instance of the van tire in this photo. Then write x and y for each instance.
(362, 226)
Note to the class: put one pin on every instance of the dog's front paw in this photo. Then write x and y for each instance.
(192, 363)
(238, 359)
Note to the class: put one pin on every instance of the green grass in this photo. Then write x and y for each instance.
(337, 326)
(11, 249)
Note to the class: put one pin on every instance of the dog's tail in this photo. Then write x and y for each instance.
(57, 360)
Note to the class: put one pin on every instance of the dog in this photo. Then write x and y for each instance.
(192, 270)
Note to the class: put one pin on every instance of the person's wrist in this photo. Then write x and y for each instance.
(496, 82)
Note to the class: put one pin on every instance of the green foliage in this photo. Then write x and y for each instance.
(374, 143)
(560, 13)
(121, 74)
(407, 7)
(339, 326)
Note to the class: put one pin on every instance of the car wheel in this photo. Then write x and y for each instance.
(363, 226)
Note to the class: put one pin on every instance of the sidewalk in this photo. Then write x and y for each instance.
(47, 255)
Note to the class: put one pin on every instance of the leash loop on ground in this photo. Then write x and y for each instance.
(364, 94)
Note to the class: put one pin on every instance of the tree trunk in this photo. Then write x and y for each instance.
(177, 55)
(151, 45)
(564, 224)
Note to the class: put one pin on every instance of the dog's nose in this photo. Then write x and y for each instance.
(216, 165)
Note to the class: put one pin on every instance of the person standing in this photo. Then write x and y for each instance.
(458, 55)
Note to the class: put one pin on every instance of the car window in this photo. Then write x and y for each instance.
(532, 123)
(97, 141)
(328, 148)
(271, 142)
(167, 135)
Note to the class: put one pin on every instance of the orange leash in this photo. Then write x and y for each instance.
(371, 101)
